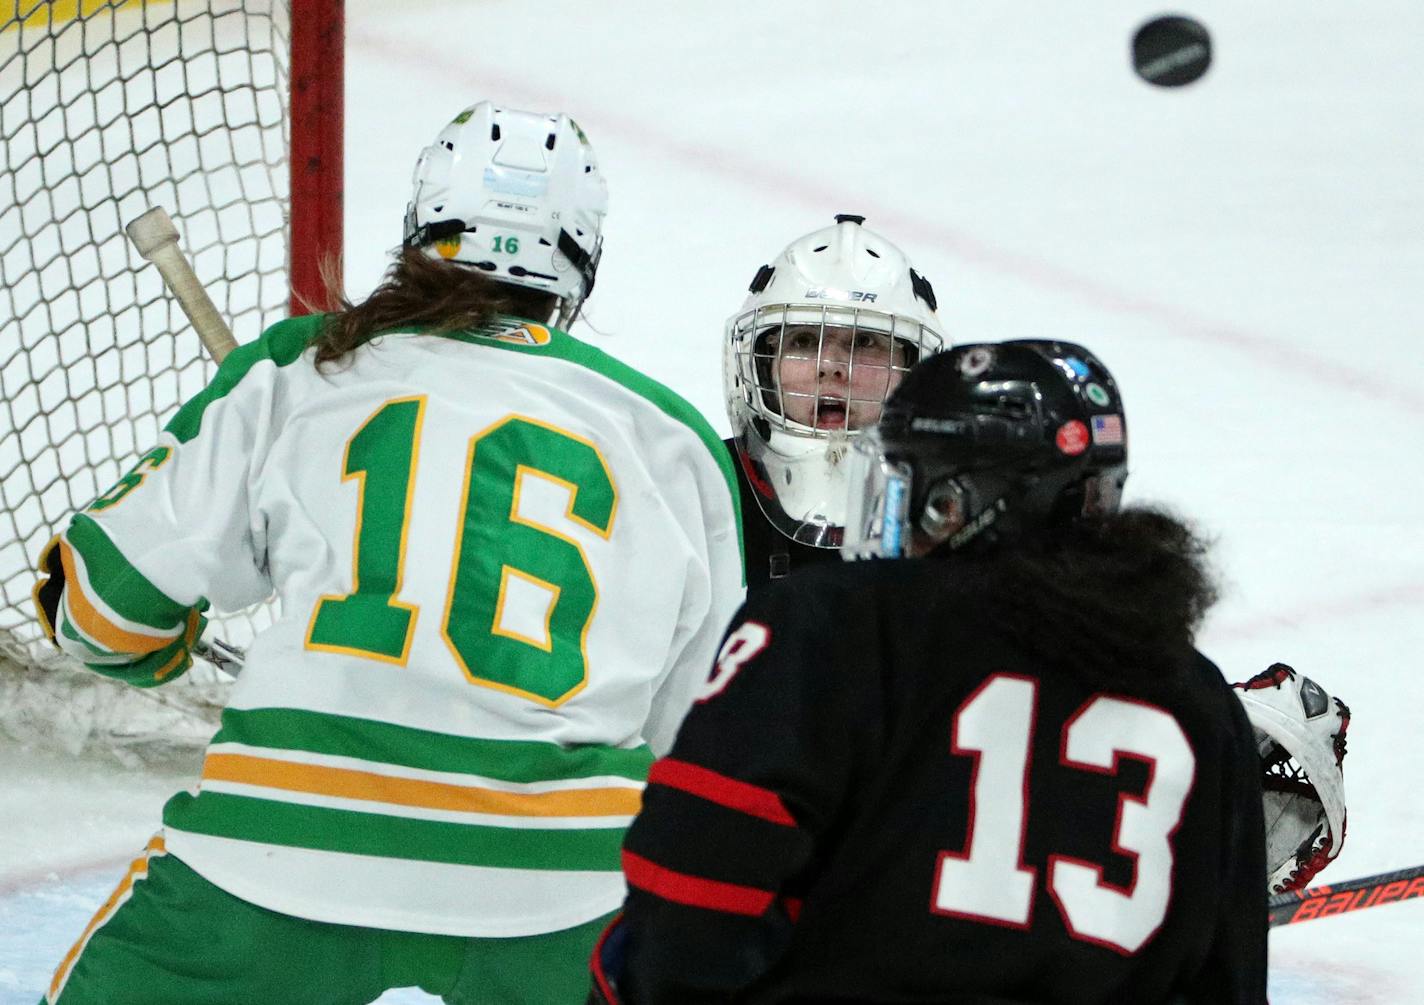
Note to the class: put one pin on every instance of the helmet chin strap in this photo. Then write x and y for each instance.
(585, 263)
(429, 233)
(587, 266)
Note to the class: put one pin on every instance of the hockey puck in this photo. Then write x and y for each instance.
(1170, 51)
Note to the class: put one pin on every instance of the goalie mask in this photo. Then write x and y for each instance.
(987, 441)
(518, 195)
(829, 329)
(1300, 735)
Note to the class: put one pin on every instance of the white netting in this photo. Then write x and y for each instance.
(106, 109)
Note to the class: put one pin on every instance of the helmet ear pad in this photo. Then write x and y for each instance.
(963, 504)
(945, 509)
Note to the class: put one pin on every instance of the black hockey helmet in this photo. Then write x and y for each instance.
(986, 441)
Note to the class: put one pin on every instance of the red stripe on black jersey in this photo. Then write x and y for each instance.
(753, 800)
(679, 887)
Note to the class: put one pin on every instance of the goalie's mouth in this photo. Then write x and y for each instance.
(831, 413)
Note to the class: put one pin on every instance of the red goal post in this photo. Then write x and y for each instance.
(229, 114)
(315, 156)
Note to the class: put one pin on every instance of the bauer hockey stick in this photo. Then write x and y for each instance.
(1329, 899)
(156, 239)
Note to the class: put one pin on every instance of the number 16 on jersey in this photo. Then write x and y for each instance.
(499, 551)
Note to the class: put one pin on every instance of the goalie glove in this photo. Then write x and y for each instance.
(1300, 736)
(49, 589)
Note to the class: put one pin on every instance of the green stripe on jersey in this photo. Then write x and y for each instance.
(269, 821)
(387, 743)
(125, 590)
(282, 344)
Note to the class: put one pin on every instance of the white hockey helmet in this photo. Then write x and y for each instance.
(844, 312)
(1300, 735)
(518, 195)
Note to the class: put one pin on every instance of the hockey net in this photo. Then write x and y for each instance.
(108, 107)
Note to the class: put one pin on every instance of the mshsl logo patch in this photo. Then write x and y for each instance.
(525, 334)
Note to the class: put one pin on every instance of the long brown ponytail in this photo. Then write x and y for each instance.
(437, 295)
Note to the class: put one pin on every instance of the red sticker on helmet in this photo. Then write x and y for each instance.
(1072, 438)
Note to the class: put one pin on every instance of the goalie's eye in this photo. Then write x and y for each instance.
(803, 340)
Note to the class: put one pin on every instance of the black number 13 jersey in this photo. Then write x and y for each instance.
(880, 797)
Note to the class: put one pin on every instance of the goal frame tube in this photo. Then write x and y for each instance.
(315, 157)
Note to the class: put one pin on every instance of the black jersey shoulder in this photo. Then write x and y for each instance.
(927, 624)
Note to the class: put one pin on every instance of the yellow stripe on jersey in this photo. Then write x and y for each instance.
(138, 869)
(89, 620)
(347, 783)
(175, 663)
(181, 660)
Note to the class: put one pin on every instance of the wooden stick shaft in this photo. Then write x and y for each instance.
(156, 239)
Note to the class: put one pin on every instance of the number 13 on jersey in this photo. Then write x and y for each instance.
(504, 560)
(989, 881)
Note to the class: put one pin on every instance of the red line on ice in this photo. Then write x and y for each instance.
(1409, 595)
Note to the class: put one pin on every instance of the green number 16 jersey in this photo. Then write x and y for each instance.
(504, 561)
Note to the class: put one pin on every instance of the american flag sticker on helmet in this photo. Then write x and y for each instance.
(1107, 430)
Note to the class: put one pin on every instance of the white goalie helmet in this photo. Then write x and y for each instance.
(829, 329)
(1300, 736)
(518, 195)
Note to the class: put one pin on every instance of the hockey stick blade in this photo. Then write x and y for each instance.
(1329, 899)
(156, 239)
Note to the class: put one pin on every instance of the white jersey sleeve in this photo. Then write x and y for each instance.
(178, 532)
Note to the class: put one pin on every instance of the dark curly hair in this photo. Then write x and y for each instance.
(1126, 589)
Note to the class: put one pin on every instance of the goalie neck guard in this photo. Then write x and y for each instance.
(1300, 735)
(517, 195)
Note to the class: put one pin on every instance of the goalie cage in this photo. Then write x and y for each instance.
(108, 107)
